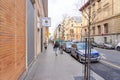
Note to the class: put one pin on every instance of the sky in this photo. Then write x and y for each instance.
(59, 8)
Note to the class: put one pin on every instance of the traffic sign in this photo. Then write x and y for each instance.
(46, 21)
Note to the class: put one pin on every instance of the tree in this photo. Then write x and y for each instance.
(86, 12)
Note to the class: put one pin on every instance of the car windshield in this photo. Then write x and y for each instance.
(81, 46)
(68, 43)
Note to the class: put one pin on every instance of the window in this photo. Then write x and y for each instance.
(106, 28)
(71, 25)
(93, 28)
(85, 30)
(99, 29)
(72, 32)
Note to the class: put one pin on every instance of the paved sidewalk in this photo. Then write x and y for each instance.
(48, 66)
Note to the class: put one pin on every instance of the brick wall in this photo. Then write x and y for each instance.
(12, 38)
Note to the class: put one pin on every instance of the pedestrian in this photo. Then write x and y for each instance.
(53, 43)
(56, 47)
(61, 49)
(45, 45)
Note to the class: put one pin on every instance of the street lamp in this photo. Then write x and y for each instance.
(81, 31)
(60, 47)
(59, 31)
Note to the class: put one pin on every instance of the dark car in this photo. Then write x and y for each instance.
(67, 46)
(78, 51)
(117, 47)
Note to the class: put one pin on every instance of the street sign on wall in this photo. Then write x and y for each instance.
(46, 21)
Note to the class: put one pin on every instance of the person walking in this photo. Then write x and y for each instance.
(45, 45)
(61, 49)
(56, 47)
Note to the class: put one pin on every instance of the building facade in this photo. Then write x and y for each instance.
(70, 29)
(105, 20)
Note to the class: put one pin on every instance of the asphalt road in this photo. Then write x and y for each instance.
(109, 66)
(111, 56)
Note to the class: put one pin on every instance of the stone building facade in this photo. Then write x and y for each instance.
(105, 20)
(70, 29)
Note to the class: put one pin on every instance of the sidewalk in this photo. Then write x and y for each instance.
(48, 66)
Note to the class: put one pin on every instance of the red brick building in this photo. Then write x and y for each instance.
(12, 38)
(20, 37)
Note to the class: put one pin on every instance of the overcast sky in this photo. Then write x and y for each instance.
(58, 8)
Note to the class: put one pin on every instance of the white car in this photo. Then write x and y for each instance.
(118, 46)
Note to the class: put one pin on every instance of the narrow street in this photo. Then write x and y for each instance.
(109, 65)
(48, 66)
(111, 56)
(108, 72)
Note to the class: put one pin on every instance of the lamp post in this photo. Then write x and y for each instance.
(59, 31)
(81, 31)
(60, 47)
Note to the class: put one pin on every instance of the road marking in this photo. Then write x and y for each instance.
(110, 64)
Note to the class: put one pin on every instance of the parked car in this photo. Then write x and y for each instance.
(100, 45)
(117, 47)
(105, 45)
(94, 44)
(67, 46)
(108, 46)
(79, 51)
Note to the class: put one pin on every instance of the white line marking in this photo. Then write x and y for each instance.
(110, 64)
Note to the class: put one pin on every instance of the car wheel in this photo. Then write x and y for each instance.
(77, 57)
(118, 48)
